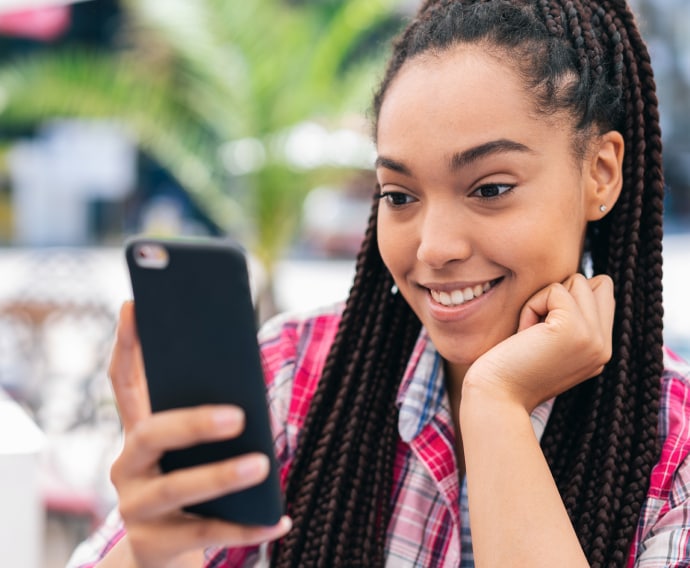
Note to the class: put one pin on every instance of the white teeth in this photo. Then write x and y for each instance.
(458, 297)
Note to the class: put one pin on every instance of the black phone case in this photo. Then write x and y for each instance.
(197, 328)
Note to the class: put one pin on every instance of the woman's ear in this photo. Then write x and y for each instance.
(604, 174)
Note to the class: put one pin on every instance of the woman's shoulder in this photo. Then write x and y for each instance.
(294, 350)
(662, 530)
(295, 345)
(295, 324)
(676, 376)
(674, 408)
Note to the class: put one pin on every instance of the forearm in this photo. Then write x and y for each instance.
(517, 517)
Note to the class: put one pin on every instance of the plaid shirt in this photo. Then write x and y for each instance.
(430, 520)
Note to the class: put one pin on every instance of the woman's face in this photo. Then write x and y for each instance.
(484, 202)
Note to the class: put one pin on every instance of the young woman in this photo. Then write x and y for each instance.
(495, 390)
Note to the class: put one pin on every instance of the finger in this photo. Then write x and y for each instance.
(228, 535)
(602, 289)
(191, 532)
(126, 371)
(175, 429)
(594, 296)
(534, 309)
(579, 288)
(549, 302)
(170, 492)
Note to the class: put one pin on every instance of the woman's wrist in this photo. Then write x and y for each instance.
(487, 406)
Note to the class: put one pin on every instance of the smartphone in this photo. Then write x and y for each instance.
(197, 327)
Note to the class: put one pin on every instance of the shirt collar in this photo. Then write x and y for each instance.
(422, 393)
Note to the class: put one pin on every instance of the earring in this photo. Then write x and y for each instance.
(394, 289)
(603, 208)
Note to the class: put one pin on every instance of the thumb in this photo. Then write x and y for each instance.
(126, 371)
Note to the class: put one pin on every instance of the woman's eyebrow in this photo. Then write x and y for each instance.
(390, 164)
(465, 158)
(461, 159)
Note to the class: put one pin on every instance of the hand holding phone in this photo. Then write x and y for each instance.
(158, 531)
(197, 327)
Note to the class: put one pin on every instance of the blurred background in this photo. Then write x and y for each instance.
(171, 117)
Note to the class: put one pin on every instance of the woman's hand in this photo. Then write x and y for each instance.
(564, 337)
(158, 532)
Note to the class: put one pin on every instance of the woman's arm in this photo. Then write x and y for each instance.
(516, 513)
(517, 517)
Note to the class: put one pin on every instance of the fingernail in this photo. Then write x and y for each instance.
(282, 527)
(286, 523)
(253, 466)
(228, 417)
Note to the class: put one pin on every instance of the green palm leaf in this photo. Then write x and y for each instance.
(195, 76)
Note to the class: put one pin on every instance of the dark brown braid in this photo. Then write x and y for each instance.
(603, 475)
(340, 480)
(585, 57)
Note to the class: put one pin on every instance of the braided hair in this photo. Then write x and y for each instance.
(586, 58)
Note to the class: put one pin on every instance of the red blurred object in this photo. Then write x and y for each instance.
(43, 24)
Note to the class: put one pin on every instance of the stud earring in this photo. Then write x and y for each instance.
(394, 289)
(603, 208)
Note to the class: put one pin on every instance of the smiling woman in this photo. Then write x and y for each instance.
(495, 391)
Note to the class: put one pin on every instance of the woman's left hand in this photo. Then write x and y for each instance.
(564, 337)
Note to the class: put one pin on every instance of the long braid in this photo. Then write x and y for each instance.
(648, 286)
(354, 440)
(561, 21)
(576, 455)
(340, 480)
(302, 504)
(620, 454)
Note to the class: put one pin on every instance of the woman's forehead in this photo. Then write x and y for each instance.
(455, 85)
(463, 90)
(457, 71)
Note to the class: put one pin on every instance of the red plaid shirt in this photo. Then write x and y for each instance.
(429, 525)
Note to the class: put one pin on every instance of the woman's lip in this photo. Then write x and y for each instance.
(450, 287)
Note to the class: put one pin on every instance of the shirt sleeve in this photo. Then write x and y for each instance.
(667, 543)
(664, 528)
(92, 550)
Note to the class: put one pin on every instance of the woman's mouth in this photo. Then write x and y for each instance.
(451, 298)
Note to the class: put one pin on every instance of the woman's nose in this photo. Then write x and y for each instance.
(444, 237)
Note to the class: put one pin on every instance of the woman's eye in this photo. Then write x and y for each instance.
(396, 198)
(492, 190)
